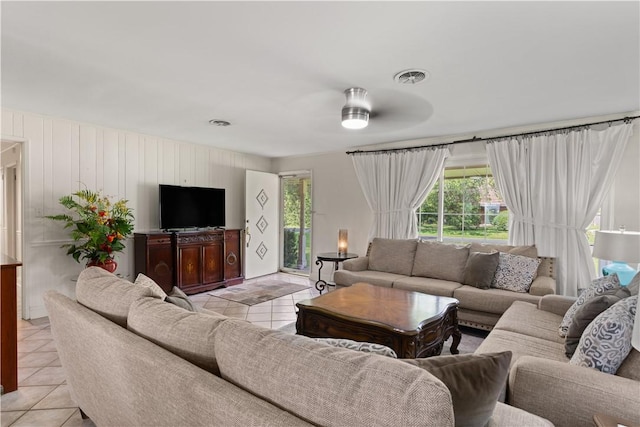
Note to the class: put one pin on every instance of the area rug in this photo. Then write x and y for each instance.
(255, 293)
(471, 339)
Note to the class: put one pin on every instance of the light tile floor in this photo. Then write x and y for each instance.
(43, 398)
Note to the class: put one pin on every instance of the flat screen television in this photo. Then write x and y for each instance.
(191, 207)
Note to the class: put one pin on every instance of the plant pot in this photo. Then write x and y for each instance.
(110, 265)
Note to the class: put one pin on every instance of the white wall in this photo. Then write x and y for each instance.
(338, 200)
(62, 156)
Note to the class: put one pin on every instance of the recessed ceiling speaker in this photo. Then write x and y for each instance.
(355, 113)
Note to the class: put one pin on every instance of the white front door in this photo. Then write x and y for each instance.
(261, 224)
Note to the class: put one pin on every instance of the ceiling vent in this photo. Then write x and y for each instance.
(411, 77)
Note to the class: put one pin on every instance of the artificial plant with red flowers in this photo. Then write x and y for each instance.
(99, 226)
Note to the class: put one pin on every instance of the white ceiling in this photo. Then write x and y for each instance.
(277, 70)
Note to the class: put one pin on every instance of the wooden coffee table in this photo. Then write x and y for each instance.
(411, 323)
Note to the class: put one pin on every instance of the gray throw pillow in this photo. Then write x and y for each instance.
(606, 342)
(179, 298)
(474, 380)
(598, 287)
(634, 285)
(480, 269)
(587, 312)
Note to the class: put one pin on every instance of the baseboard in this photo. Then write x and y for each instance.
(38, 311)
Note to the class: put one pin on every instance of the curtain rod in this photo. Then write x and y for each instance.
(475, 138)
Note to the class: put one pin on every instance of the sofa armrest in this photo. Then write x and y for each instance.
(571, 395)
(556, 304)
(356, 264)
(543, 285)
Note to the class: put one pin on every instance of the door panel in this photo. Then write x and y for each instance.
(261, 232)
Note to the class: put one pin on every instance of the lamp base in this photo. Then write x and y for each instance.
(624, 272)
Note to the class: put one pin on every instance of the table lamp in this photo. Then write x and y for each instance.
(620, 247)
(342, 241)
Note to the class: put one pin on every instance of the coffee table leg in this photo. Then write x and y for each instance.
(457, 335)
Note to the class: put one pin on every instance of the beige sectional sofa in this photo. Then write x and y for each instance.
(543, 382)
(132, 359)
(438, 269)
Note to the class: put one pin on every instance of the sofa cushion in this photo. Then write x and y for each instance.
(528, 251)
(480, 269)
(515, 272)
(474, 380)
(525, 318)
(492, 300)
(307, 378)
(521, 345)
(440, 261)
(107, 294)
(507, 415)
(378, 278)
(606, 342)
(426, 285)
(597, 287)
(392, 255)
(630, 367)
(187, 334)
(589, 311)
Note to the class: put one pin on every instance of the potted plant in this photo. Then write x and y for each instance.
(98, 227)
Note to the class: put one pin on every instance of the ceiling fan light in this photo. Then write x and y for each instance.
(355, 118)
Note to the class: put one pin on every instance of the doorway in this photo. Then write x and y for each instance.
(296, 223)
(11, 208)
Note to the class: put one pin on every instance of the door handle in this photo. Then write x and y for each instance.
(247, 234)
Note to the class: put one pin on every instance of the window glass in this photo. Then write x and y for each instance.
(472, 207)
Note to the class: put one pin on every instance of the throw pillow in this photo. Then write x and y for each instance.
(179, 298)
(474, 380)
(156, 290)
(597, 287)
(587, 312)
(606, 342)
(515, 272)
(439, 260)
(392, 255)
(366, 347)
(480, 269)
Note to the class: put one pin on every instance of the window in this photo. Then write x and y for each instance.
(469, 208)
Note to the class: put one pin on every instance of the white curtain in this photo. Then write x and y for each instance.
(395, 183)
(553, 185)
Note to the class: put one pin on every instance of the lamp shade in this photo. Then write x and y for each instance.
(623, 246)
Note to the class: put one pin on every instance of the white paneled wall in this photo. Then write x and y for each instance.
(62, 156)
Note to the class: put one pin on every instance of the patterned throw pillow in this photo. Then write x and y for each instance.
(607, 340)
(597, 287)
(515, 272)
(365, 347)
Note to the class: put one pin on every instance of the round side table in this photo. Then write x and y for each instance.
(331, 257)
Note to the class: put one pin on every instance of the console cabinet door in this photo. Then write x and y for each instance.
(212, 263)
(154, 258)
(189, 266)
(232, 261)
